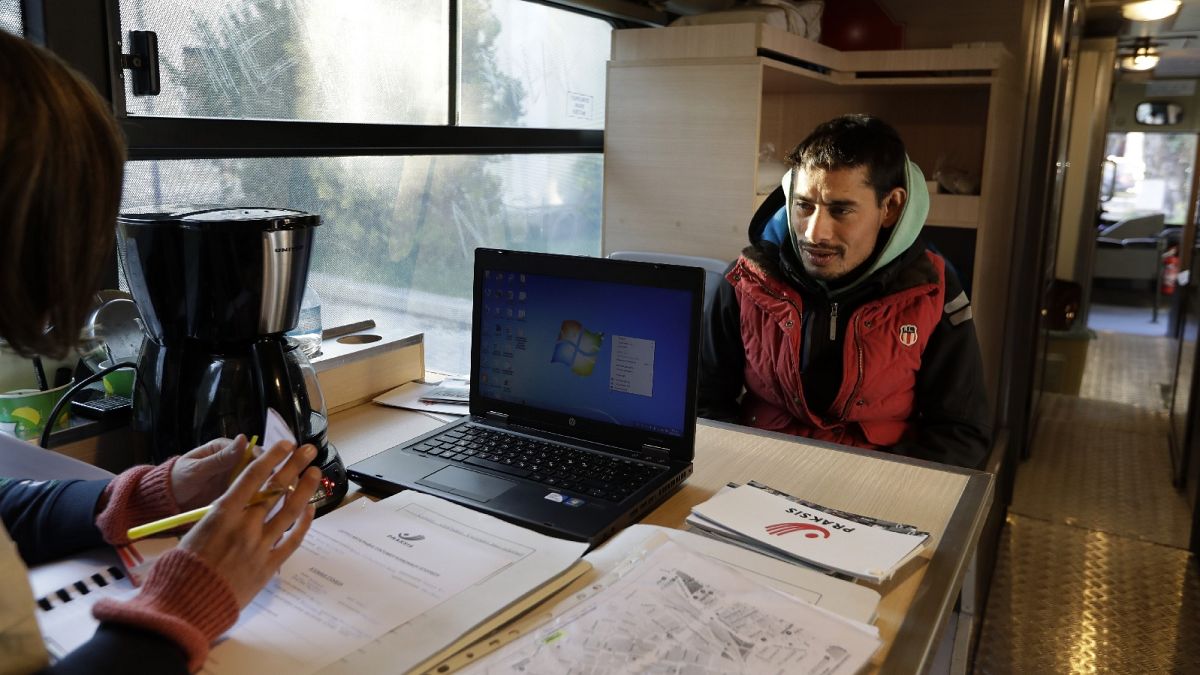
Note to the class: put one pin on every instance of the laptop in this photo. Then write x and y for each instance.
(582, 396)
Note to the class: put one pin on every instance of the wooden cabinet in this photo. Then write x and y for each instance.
(689, 109)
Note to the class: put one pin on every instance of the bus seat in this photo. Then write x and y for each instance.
(714, 269)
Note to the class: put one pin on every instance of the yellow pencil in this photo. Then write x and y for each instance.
(246, 457)
(172, 522)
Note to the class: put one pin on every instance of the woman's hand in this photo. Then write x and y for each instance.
(201, 475)
(237, 538)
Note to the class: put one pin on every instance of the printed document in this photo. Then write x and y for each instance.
(808, 533)
(851, 601)
(65, 591)
(362, 571)
(675, 611)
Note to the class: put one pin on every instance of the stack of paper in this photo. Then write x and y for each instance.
(668, 608)
(386, 585)
(435, 400)
(778, 524)
(375, 587)
(622, 555)
(451, 390)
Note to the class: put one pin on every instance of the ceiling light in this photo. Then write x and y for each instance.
(1139, 62)
(1149, 10)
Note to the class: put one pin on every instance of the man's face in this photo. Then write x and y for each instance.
(837, 218)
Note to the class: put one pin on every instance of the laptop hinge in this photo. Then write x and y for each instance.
(655, 452)
(498, 416)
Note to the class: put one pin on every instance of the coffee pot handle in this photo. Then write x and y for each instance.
(276, 389)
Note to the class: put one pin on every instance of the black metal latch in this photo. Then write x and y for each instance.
(143, 62)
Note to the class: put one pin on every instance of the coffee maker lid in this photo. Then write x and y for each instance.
(263, 218)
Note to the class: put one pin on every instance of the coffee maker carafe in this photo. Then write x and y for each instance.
(217, 289)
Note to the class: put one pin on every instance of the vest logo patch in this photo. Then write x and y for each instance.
(908, 334)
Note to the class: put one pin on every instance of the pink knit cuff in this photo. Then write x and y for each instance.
(137, 496)
(183, 599)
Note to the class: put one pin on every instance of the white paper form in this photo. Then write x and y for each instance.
(360, 573)
(851, 601)
(675, 611)
(420, 638)
(66, 590)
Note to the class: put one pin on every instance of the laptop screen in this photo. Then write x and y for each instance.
(603, 350)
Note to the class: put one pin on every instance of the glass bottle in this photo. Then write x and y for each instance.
(308, 328)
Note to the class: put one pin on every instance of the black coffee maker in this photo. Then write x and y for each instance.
(217, 289)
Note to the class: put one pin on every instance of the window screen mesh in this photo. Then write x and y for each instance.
(10, 17)
(373, 61)
(378, 61)
(397, 238)
(529, 65)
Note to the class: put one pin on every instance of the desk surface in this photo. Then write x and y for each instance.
(950, 503)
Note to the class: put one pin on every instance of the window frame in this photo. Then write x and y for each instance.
(69, 28)
(208, 138)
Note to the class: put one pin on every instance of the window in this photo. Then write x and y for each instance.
(397, 236)
(348, 110)
(544, 68)
(1148, 172)
(10, 17)
(321, 60)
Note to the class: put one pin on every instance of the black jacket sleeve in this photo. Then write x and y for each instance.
(56, 518)
(51, 519)
(722, 357)
(117, 648)
(953, 418)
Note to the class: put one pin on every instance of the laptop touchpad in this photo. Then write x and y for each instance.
(470, 484)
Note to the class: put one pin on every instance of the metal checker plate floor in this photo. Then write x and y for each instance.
(1070, 600)
(1103, 466)
(1091, 575)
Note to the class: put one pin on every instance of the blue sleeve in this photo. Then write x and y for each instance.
(51, 519)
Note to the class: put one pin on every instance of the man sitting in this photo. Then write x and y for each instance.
(852, 331)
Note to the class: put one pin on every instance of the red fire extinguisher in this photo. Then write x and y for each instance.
(1170, 270)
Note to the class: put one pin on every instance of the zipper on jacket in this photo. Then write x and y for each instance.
(833, 318)
(857, 383)
(778, 296)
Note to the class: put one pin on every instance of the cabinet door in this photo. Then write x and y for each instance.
(680, 152)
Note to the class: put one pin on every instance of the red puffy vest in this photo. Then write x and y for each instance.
(882, 354)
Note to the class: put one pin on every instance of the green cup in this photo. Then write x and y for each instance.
(25, 411)
(118, 382)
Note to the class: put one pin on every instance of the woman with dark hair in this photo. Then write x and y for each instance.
(61, 164)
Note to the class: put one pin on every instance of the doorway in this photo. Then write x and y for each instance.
(1145, 190)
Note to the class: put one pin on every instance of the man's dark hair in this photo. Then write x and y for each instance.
(851, 141)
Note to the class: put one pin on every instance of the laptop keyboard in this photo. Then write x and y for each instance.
(563, 467)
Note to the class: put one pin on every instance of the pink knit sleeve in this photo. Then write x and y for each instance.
(137, 496)
(182, 599)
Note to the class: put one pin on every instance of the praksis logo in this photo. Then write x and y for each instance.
(405, 539)
(810, 531)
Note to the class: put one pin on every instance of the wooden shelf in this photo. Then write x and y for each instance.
(953, 211)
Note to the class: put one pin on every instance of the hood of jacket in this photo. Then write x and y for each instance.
(901, 236)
